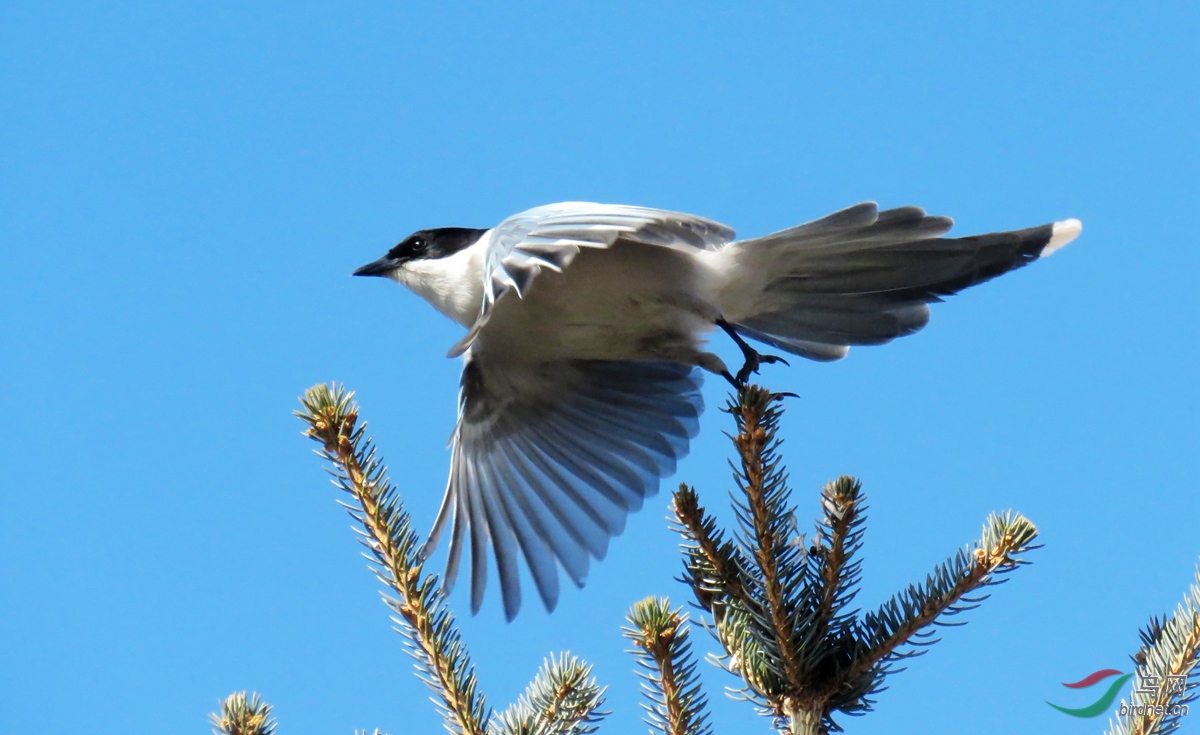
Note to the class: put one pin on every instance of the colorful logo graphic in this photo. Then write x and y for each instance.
(1105, 701)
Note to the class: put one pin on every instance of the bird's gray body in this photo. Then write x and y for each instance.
(585, 347)
(626, 302)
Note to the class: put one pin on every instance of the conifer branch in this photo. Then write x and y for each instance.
(563, 699)
(780, 611)
(842, 525)
(420, 606)
(713, 564)
(943, 594)
(1167, 673)
(243, 715)
(664, 653)
(764, 516)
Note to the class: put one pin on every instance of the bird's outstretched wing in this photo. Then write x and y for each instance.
(549, 459)
(551, 236)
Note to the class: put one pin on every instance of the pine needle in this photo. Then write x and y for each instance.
(420, 605)
(780, 604)
(676, 703)
(243, 714)
(1167, 674)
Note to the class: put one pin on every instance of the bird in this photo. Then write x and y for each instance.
(585, 350)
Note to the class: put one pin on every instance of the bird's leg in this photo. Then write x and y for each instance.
(732, 380)
(753, 359)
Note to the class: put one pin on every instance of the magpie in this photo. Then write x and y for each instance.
(584, 350)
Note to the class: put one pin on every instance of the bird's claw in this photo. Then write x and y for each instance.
(755, 360)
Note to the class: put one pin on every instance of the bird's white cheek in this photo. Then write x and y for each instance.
(447, 284)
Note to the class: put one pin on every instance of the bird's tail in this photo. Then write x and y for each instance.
(863, 277)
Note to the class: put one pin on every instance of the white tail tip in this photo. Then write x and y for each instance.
(1061, 235)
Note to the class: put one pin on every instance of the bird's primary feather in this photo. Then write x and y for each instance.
(548, 468)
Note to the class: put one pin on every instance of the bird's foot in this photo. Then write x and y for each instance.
(753, 359)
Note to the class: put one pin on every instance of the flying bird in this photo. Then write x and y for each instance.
(585, 349)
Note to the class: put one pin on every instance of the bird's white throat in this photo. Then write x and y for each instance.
(453, 285)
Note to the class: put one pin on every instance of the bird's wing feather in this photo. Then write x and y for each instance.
(548, 460)
(551, 236)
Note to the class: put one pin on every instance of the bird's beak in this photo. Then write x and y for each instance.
(380, 267)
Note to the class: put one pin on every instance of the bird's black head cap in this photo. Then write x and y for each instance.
(438, 242)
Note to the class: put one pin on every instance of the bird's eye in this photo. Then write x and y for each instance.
(408, 248)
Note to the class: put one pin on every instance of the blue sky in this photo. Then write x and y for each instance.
(185, 189)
